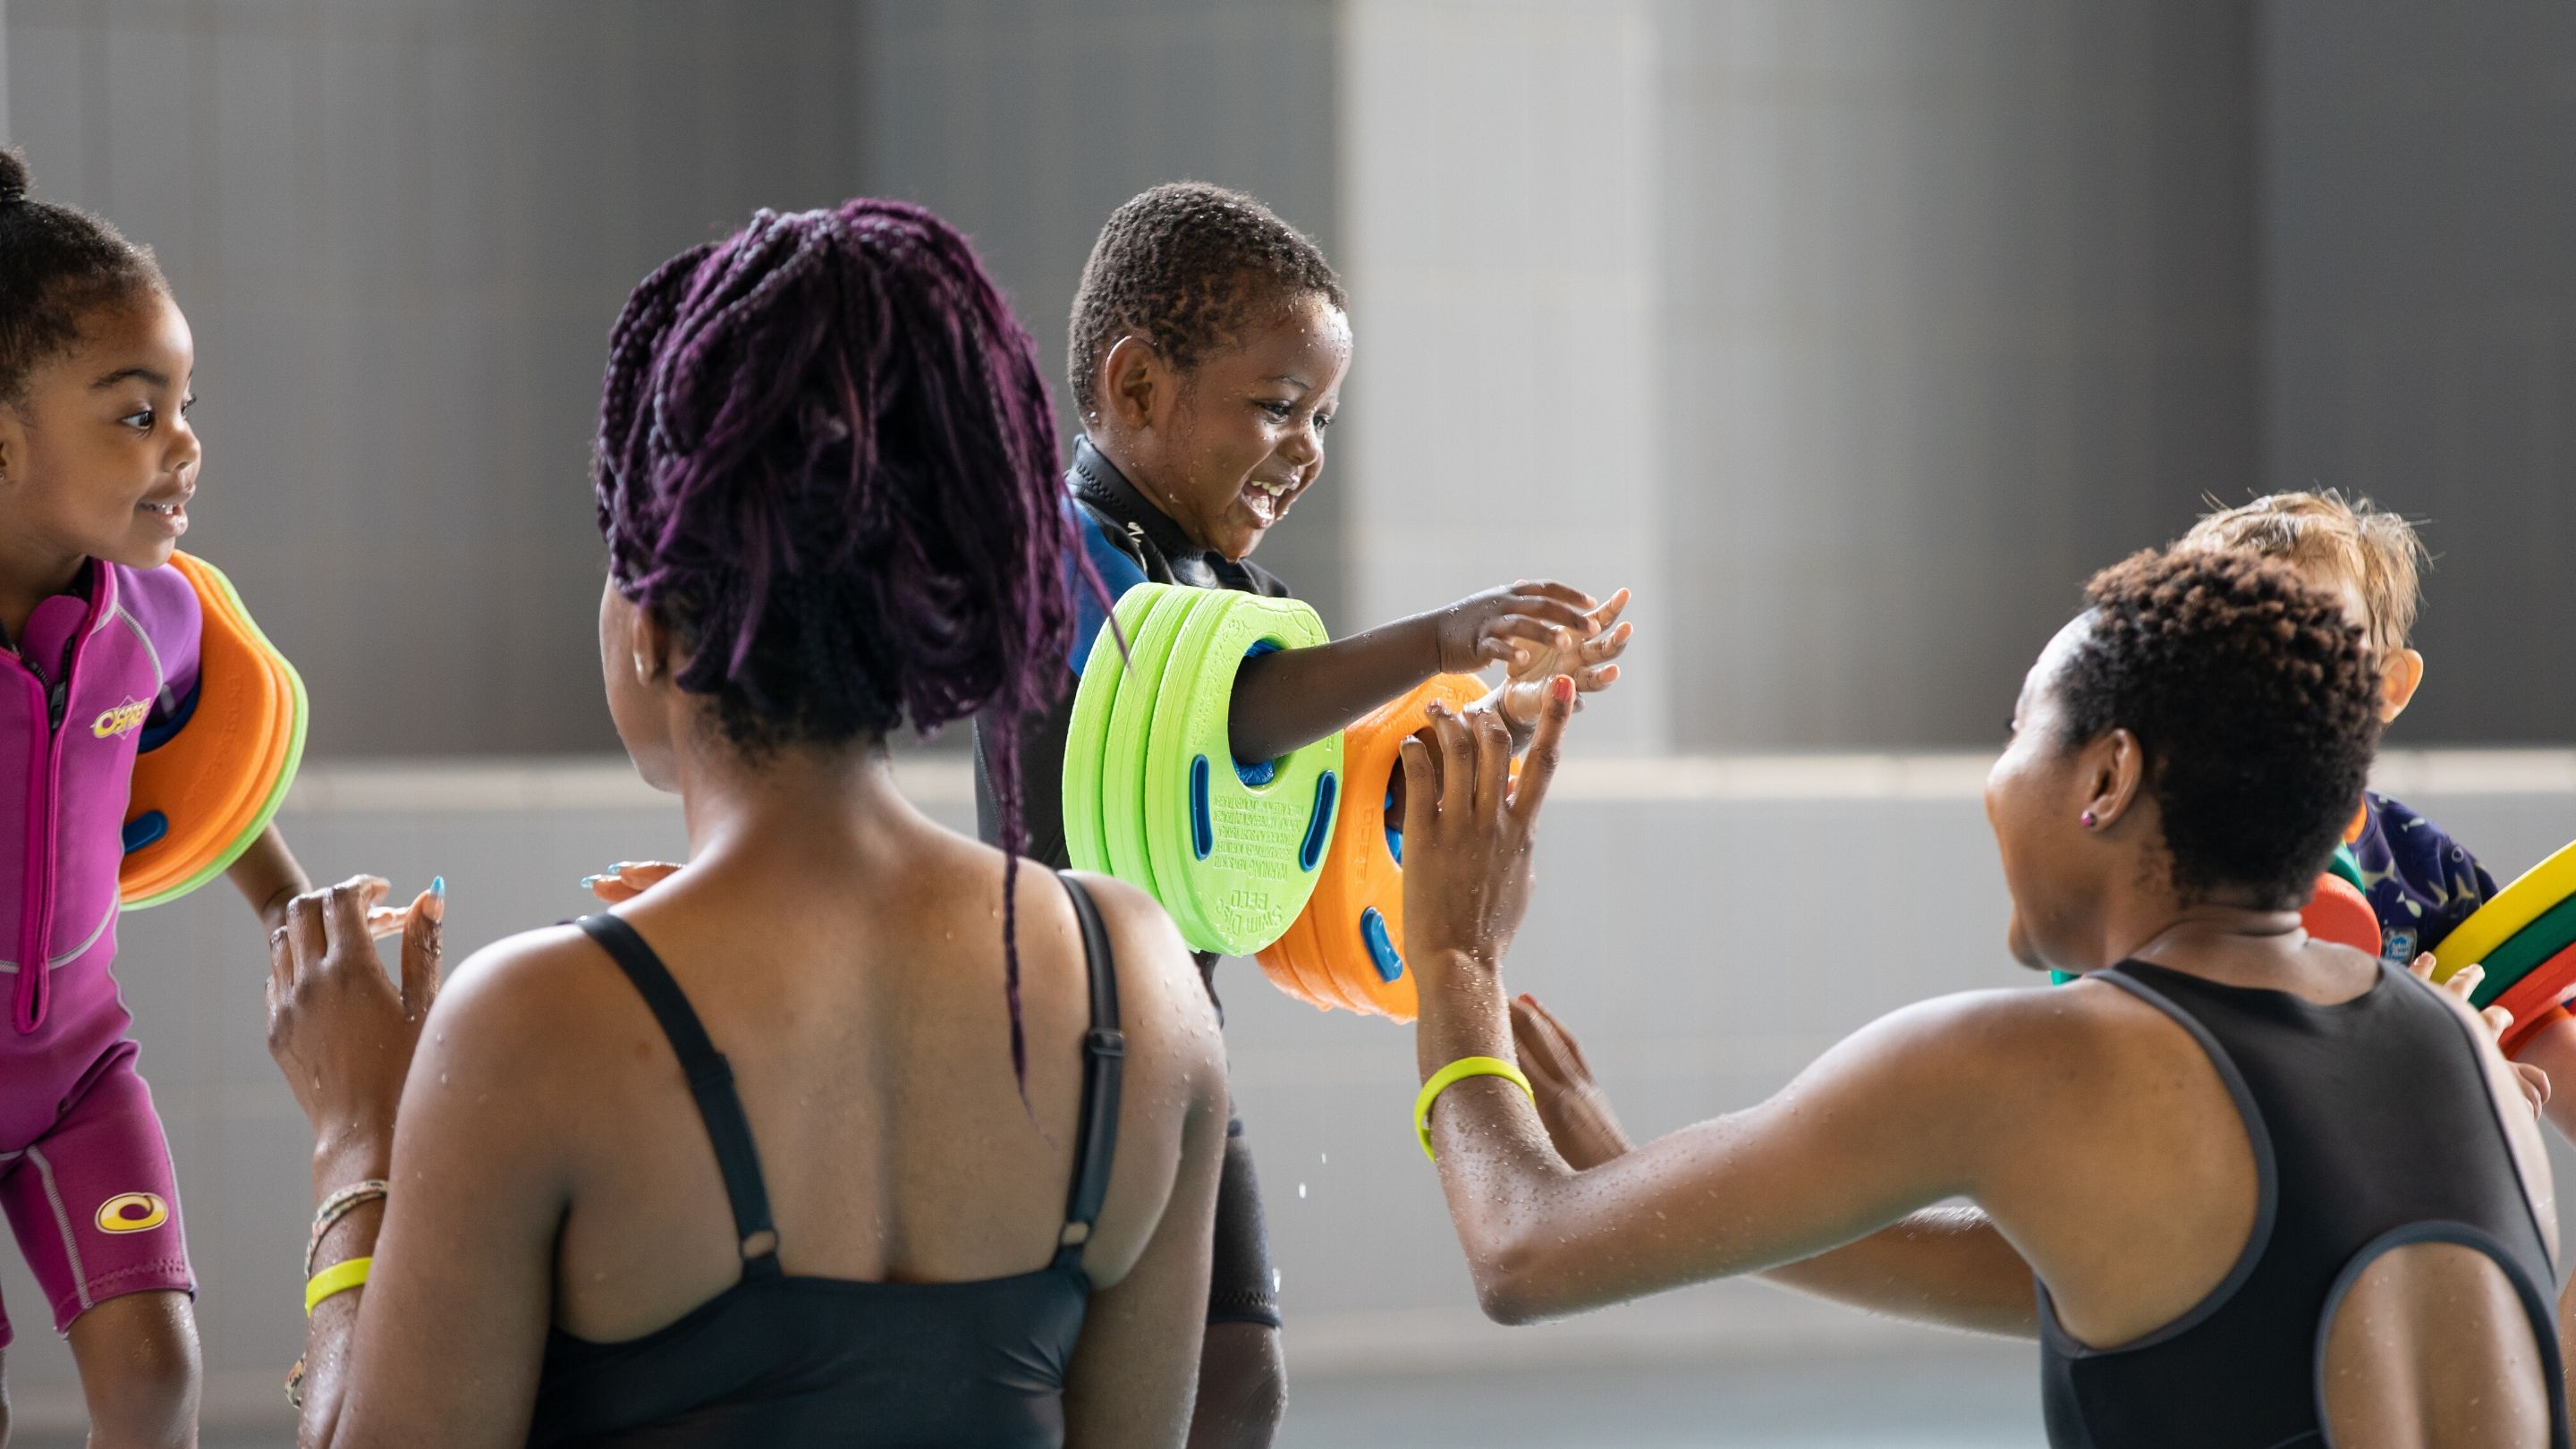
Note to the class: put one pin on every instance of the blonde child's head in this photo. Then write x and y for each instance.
(2365, 555)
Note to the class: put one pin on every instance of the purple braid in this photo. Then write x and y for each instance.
(826, 459)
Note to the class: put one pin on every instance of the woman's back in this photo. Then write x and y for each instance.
(787, 1150)
(2353, 1131)
(921, 1256)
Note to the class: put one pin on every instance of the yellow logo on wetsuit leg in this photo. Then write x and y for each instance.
(132, 1212)
(126, 716)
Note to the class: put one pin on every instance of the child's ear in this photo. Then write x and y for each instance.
(2399, 678)
(1133, 380)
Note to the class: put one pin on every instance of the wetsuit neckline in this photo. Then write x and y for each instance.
(1098, 482)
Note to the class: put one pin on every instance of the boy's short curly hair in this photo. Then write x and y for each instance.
(2321, 533)
(2254, 700)
(1185, 265)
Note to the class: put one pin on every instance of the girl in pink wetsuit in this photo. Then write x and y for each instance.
(98, 659)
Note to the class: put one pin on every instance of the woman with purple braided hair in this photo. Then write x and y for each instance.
(882, 1139)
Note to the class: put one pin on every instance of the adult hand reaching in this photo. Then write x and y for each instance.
(1577, 1112)
(341, 1031)
(628, 879)
(1468, 832)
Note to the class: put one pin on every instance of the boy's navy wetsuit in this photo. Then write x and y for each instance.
(2422, 884)
(1130, 541)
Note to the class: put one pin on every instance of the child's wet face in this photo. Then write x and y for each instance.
(99, 461)
(1245, 438)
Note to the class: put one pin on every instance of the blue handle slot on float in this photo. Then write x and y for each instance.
(1319, 826)
(1202, 827)
(1382, 952)
(144, 829)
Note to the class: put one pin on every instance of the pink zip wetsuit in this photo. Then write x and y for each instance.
(84, 1168)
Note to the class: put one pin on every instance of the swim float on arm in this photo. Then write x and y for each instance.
(205, 792)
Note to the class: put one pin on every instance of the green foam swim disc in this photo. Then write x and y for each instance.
(1087, 733)
(1131, 719)
(2534, 944)
(1235, 860)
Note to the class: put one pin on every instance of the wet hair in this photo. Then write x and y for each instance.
(2254, 700)
(1186, 266)
(827, 462)
(2321, 534)
(57, 264)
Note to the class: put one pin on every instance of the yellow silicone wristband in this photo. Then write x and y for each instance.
(1450, 1076)
(340, 1277)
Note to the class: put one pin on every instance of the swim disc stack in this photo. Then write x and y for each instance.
(2526, 939)
(1152, 792)
(203, 795)
(1346, 948)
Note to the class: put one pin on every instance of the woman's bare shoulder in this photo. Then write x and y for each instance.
(1165, 997)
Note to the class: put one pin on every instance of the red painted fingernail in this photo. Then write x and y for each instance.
(1561, 689)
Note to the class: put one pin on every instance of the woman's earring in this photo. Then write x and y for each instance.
(2087, 818)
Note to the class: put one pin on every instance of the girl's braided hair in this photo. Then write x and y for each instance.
(826, 461)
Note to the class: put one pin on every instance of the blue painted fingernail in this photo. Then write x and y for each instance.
(589, 881)
(438, 885)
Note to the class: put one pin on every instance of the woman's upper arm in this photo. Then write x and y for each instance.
(1896, 1117)
(1945, 1265)
(1136, 1366)
(452, 1325)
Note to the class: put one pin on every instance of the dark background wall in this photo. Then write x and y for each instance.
(401, 232)
(2419, 320)
(1962, 306)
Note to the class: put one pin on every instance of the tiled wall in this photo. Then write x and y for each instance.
(401, 230)
(2419, 185)
(1677, 930)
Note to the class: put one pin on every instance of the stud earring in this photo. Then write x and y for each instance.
(2087, 818)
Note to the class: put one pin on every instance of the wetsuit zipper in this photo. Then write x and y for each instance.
(35, 903)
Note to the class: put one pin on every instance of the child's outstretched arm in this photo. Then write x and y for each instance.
(1292, 698)
(268, 877)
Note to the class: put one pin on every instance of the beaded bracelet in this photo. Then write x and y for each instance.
(335, 1207)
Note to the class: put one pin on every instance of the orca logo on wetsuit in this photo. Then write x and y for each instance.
(132, 1212)
(126, 716)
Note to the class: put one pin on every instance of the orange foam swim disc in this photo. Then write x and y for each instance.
(213, 787)
(1346, 948)
(2340, 913)
(2529, 999)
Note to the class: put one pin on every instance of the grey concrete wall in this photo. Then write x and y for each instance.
(401, 231)
(1500, 160)
(1959, 303)
(1026, 122)
(1674, 932)
(2419, 211)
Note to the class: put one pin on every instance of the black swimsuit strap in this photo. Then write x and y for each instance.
(710, 1082)
(1104, 1051)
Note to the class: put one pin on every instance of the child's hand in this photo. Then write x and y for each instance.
(1591, 660)
(2463, 983)
(1508, 626)
(628, 879)
(1578, 1117)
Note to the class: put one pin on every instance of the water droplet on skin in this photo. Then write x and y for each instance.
(442, 1079)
